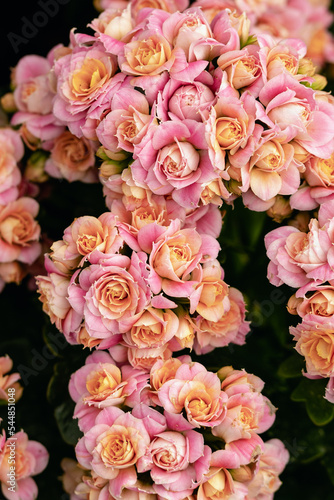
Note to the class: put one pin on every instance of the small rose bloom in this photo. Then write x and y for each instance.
(296, 257)
(178, 460)
(272, 463)
(11, 152)
(175, 254)
(82, 76)
(242, 67)
(153, 329)
(145, 358)
(319, 171)
(210, 298)
(113, 446)
(31, 458)
(92, 238)
(318, 301)
(111, 297)
(148, 55)
(9, 380)
(231, 327)
(127, 123)
(53, 293)
(246, 413)
(196, 391)
(188, 100)
(13, 272)
(218, 483)
(315, 341)
(33, 92)
(19, 231)
(72, 158)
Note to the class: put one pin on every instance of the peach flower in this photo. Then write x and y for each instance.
(30, 459)
(154, 328)
(19, 232)
(315, 341)
(92, 238)
(9, 380)
(196, 391)
(72, 158)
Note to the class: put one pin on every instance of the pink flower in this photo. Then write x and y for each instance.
(329, 394)
(210, 298)
(31, 458)
(319, 303)
(19, 231)
(272, 463)
(34, 96)
(296, 257)
(53, 293)
(230, 328)
(92, 238)
(33, 92)
(72, 158)
(127, 123)
(154, 328)
(113, 446)
(144, 358)
(12, 150)
(247, 413)
(315, 341)
(9, 381)
(293, 109)
(186, 101)
(100, 383)
(196, 391)
(219, 483)
(77, 87)
(175, 254)
(177, 461)
(178, 163)
(111, 297)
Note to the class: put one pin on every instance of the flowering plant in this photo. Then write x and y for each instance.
(148, 161)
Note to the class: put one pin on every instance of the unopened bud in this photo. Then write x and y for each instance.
(8, 103)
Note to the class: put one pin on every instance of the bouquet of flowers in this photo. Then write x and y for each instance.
(172, 140)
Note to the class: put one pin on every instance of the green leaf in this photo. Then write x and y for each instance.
(291, 367)
(328, 462)
(320, 411)
(67, 425)
(58, 384)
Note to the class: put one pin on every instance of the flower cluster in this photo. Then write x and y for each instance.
(306, 19)
(19, 231)
(303, 260)
(181, 107)
(150, 435)
(148, 290)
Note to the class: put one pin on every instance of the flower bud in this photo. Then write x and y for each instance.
(34, 170)
(306, 67)
(8, 103)
(280, 210)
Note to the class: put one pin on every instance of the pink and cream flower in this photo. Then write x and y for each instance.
(19, 231)
(82, 77)
(31, 458)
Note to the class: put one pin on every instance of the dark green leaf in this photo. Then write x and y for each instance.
(68, 426)
(291, 367)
